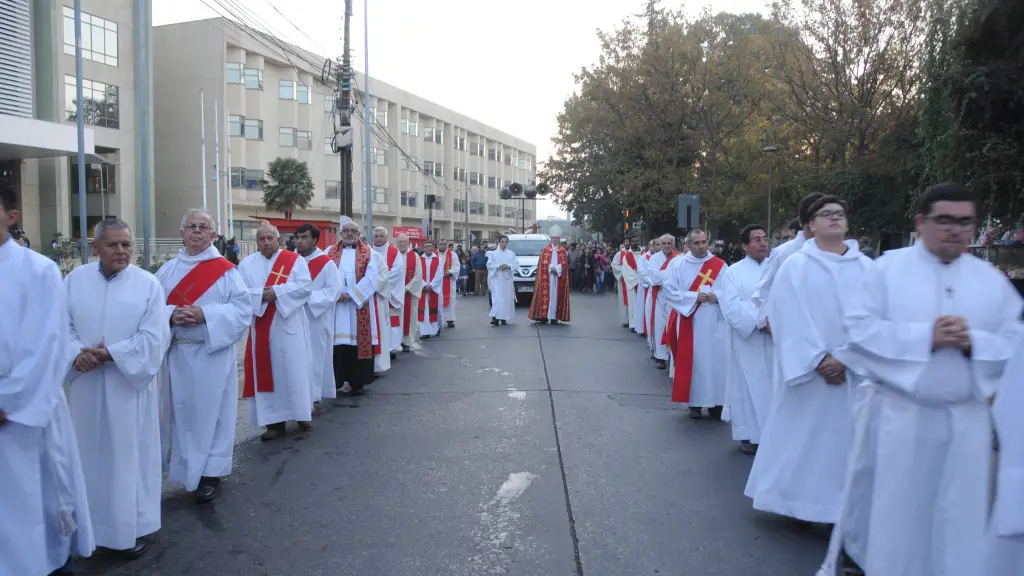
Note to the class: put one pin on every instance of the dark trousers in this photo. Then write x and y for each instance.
(68, 568)
(348, 367)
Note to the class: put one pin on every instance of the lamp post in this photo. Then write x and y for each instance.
(770, 149)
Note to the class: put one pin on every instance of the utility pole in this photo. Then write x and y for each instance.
(343, 104)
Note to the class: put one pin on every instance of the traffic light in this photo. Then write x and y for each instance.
(625, 227)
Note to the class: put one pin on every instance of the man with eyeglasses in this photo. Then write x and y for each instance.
(801, 461)
(930, 330)
(356, 338)
(208, 305)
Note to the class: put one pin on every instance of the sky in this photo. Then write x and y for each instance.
(507, 64)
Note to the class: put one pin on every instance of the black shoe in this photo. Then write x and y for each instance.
(394, 356)
(696, 414)
(406, 348)
(208, 488)
(357, 391)
(134, 552)
(543, 320)
(494, 322)
(715, 412)
(661, 364)
(427, 337)
(503, 322)
(626, 325)
(748, 448)
(451, 324)
(847, 566)
(633, 330)
(554, 322)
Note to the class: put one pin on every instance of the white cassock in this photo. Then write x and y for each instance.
(199, 379)
(499, 283)
(658, 306)
(397, 307)
(413, 289)
(770, 268)
(710, 332)
(116, 406)
(917, 489)
(800, 465)
(452, 272)
(289, 342)
(361, 292)
(324, 291)
(435, 282)
(642, 289)
(44, 511)
(1005, 550)
(749, 378)
(626, 278)
(555, 274)
(388, 297)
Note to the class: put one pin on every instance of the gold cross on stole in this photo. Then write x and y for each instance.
(705, 279)
(281, 278)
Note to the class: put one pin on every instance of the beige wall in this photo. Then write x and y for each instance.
(193, 56)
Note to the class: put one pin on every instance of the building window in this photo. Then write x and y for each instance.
(237, 177)
(101, 103)
(329, 145)
(428, 167)
(332, 189)
(380, 195)
(475, 149)
(253, 129)
(235, 125)
(329, 102)
(410, 163)
(403, 126)
(510, 211)
(286, 137)
(459, 175)
(460, 143)
(458, 205)
(409, 199)
(286, 91)
(509, 160)
(497, 155)
(476, 208)
(494, 210)
(428, 134)
(492, 182)
(245, 229)
(302, 94)
(414, 128)
(439, 169)
(233, 73)
(523, 163)
(304, 140)
(253, 179)
(500, 182)
(99, 37)
(252, 78)
(381, 114)
(98, 178)
(491, 153)
(438, 136)
(439, 203)
(458, 235)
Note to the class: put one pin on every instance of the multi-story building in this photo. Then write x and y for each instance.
(38, 108)
(279, 106)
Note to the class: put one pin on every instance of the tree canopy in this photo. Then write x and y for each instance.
(872, 100)
(288, 185)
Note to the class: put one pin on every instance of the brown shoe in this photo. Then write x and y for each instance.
(271, 434)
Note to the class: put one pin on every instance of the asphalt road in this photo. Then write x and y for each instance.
(523, 450)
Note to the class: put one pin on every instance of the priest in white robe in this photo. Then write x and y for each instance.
(1005, 549)
(324, 290)
(389, 300)
(276, 359)
(658, 305)
(208, 305)
(695, 331)
(930, 330)
(500, 265)
(782, 253)
(356, 339)
(748, 378)
(800, 465)
(551, 287)
(44, 511)
(413, 288)
(431, 310)
(450, 262)
(118, 336)
(643, 288)
(624, 268)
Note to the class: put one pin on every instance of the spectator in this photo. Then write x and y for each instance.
(478, 261)
(462, 284)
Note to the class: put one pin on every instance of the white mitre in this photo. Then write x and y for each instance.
(555, 230)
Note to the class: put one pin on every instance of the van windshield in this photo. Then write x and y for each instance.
(527, 246)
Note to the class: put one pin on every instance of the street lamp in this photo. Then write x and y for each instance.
(770, 149)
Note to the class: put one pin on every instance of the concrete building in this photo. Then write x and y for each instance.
(278, 106)
(38, 136)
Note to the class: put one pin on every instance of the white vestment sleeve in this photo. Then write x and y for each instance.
(293, 294)
(556, 263)
(415, 284)
(228, 320)
(492, 264)
(764, 286)
(382, 287)
(1008, 512)
(30, 391)
(617, 266)
(628, 274)
(738, 311)
(324, 299)
(437, 282)
(256, 304)
(678, 296)
(74, 344)
(800, 346)
(365, 288)
(396, 277)
(991, 349)
(140, 356)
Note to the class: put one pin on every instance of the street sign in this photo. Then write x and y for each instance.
(688, 211)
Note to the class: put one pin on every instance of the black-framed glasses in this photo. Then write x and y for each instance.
(952, 222)
(831, 214)
(200, 227)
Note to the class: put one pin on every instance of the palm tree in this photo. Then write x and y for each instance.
(288, 185)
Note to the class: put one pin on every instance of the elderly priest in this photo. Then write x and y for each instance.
(551, 287)
(410, 327)
(277, 368)
(355, 328)
(118, 336)
(208, 304)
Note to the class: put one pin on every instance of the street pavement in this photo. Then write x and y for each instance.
(521, 450)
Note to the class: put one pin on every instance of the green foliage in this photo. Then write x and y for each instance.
(67, 253)
(155, 262)
(872, 100)
(288, 185)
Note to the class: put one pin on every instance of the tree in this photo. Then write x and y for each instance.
(288, 185)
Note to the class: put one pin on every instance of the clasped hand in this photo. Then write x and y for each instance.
(951, 332)
(188, 316)
(344, 297)
(832, 370)
(91, 357)
(707, 297)
(269, 295)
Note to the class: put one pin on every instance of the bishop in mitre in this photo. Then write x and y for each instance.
(119, 333)
(551, 287)
(324, 290)
(276, 357)
(355, 316)
(44, 511)
(624, 268)
(500, 265)
(431, 309)
(389, 300)
(208, 304)
(410, 327)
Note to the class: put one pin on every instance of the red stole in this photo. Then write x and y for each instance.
(364, 335)
(654, 294)
(679, 333)
(629, 260)
(396, 321)
(429, 309)
(198, 280)
(446, 284)
(262, 380)
(412, 264)
(316, 265)
(542, 287)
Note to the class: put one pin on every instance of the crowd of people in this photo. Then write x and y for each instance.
(867, 391)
